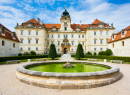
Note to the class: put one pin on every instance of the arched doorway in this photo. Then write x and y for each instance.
(65, 50)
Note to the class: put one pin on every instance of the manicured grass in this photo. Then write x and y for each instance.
(98, 60)
(32, 60)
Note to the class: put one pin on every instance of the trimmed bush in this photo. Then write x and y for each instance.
(52, 52)
(33, 53)
(2, 59)
(26, 53)
(20, 54)
(125, 59)
(109, 52)
(102, 53)
(89, 53)
(79, 52)
(95, 53)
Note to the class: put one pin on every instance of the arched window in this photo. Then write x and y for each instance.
(65, 28)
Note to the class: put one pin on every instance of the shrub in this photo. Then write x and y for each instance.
(79, 52)
(89, 53)
(95, 53)
(33, 53)
(26, 53)
(109, 52)
(102, 53)
(20, 54)
(52, 52)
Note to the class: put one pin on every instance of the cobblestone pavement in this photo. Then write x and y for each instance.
(9, 85)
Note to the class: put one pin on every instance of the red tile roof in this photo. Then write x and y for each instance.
(8, 34)
(118, 35)
(73, 26)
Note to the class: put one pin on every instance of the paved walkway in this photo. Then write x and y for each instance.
(66, 57)
(9, 85)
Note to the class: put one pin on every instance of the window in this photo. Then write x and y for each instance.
(58, 49)
(48, 36)
(79, 36)
(66, 43)
(47, 43)
(107, 33)
(72, 49)
(3, 30)
(21, 32)
(72, 36)
(95, 41)
(72, 43)
(51, 42)
(100, 49)
(94, 49)
(94, 33)
(82, 36)
(36, 41)
(29, 48)
(3, 43)
(66, 36)
(100, 33)
(122, 32)
(21, 41)
(82, 43)
(58, 43)
(52, 36)
(29, 41)
(65, 28)
(58, 36)
(36, 32)
(13, 45)
(21, 49)
(36, 48)
(29, 32)
(100, 41)
(107, 41)
(112, 45)
(122, 43)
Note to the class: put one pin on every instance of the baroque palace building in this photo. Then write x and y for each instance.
(38, 36)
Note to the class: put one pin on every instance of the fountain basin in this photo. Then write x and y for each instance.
(79, 80)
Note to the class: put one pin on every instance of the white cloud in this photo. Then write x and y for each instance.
(7, 1)
(29, 8)
(50, 2)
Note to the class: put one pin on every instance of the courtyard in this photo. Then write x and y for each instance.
(10, 85)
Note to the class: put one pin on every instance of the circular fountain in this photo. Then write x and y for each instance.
(82, 74)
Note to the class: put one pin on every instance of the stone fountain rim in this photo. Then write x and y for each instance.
(113, 69)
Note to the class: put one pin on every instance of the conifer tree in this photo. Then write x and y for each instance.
(52, 52)
(79, 52)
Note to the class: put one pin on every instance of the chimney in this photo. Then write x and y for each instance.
(112, 25)
(80, 22)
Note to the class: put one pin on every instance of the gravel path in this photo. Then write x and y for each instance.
(9, 85)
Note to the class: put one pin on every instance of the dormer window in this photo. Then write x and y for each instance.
(122, 32)
(3, 31)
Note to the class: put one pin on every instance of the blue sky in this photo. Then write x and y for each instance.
(49, 11)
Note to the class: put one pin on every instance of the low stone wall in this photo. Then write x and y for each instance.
(68, 80)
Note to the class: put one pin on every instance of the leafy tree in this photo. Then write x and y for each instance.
(52, 52)
(95, 53)
(102, 53)
(109, 52)
(79, 52)
(26, 53)
(89, 53)
(33, 53)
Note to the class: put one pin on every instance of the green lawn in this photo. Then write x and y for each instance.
(32, 60)
(97, 60)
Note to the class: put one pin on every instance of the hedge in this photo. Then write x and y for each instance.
(125, 59)
(2, 59)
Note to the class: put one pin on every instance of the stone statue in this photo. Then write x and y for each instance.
(68, 65)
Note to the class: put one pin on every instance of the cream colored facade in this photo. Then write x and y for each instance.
(119, 49)
(66, 37)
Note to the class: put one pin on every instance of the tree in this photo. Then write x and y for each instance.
(79, 52)
(109, 52)
(52, 52)
(102, 53)
(33, 53)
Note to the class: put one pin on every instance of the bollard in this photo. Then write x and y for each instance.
(29, 60)
(105, 60)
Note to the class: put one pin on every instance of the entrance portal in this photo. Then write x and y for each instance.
(65, 50)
